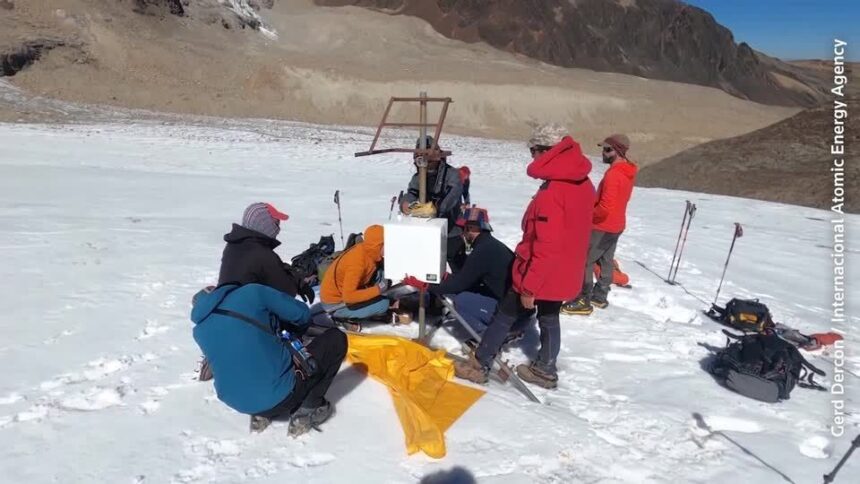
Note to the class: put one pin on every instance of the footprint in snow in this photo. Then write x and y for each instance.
(816, 447)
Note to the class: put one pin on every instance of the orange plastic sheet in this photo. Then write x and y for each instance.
(427, 401)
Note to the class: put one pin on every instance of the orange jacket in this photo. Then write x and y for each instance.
(349, 279)
(610, 210)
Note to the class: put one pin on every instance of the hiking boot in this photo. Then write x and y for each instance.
(259, 423)
(471, 370)
(580, 306)
(204, 373)
(599, 301)
(304, 419)
(350, 326)
(538, 376)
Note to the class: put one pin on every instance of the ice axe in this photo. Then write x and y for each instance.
(339, 218)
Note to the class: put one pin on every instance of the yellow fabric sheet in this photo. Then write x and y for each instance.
(419, 379)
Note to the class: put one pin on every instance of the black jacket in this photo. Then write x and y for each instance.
(249, 257)
(487, 270)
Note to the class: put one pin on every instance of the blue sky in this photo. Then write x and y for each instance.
(790, 29)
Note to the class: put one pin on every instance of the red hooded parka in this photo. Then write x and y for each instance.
(550, 259)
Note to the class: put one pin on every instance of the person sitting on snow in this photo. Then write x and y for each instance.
(485, 277)
(610, 218)
(350, 287)
(444, 193)
(549, 260)
(250, 257)
(238, 328)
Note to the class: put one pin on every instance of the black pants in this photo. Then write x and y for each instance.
(601, 251)
(511, 312)
(329, 350)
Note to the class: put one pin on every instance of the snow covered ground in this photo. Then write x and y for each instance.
(107, 230)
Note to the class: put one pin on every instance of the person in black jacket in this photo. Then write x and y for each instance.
(485, 276)
(250, 257)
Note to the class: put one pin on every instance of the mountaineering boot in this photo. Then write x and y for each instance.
(471, 370)
(304, 419)
(259, 424)
(599, 301)
(534, 374)
(204, 373)
(580, 306)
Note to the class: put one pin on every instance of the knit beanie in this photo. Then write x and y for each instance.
(263, 218)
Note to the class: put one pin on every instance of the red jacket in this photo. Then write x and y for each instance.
(610, 212)
(550, 262)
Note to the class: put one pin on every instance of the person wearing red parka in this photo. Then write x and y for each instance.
(610, 219)
(550, 258)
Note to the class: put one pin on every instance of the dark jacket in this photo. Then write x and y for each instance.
(445, 190)
(250, 257)
(253, 369)
(487, 270)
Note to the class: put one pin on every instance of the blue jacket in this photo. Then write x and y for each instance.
(253, 370)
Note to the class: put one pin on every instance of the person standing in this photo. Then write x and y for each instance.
(610, 220)
(549, 259)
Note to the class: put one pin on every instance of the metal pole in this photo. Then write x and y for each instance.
(391, 210)
(828, 478)
(339, 218)
(422, 195)
(422, 144)
(684, 241)
(738, 233)
(678, 242)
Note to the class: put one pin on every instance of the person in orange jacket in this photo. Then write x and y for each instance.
(351, 280)
(610, 219)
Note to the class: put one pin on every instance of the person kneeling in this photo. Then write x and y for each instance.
(249, 334)
(349, 289)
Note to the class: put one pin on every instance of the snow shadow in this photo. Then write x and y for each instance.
(456, 475)
(347, 380)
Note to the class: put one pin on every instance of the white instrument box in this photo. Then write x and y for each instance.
(417, 247)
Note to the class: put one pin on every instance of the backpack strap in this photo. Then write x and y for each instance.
(247, 319)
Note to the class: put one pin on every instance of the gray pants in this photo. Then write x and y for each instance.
(601, 250)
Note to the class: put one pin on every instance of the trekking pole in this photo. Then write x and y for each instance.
(684, 241)
(339, 219)
(678, 243)
(391, 210)
(828, 478)
(739, 232)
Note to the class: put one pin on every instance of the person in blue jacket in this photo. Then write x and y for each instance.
(238, 329)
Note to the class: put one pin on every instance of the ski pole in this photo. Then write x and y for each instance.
(391, 210)
(828, 478)
(739, 232)
(678, 243)
(684, 241)
(339, 219)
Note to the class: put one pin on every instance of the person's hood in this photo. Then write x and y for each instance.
(240, 234)
(205, 302)
(374, 239)
(564, 162)
(625, 167)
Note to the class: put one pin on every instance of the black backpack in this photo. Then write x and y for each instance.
(745, 315)
(307, 263)
(329, 259)
(763, 366)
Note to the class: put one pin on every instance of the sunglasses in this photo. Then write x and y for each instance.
(538, 149)
(608, 149)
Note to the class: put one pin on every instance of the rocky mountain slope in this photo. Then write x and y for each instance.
(656, 39)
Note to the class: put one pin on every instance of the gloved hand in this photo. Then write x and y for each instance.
(384, 285)
(423, 210)
(413, 281)
(307, 293)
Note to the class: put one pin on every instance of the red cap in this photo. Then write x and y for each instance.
(275, 213)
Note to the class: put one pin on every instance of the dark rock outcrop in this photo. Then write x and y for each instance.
(18, 58)
(657, 39)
